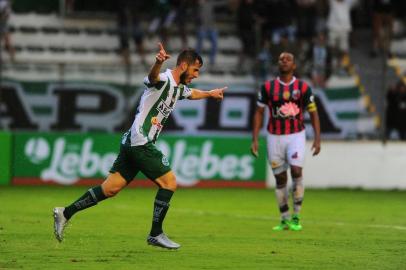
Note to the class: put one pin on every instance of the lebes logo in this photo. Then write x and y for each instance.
(65, 160)
(37, 150)
(68, 162)
(192, 162)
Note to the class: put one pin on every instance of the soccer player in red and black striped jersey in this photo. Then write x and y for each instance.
(287, 98)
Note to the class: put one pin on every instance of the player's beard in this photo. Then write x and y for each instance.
(183, 77)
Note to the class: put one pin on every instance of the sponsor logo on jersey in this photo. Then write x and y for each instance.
(290, 109)
(164, 109)
(287, 110)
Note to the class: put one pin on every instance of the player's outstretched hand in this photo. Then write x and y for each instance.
(218, 93)
(161, 56)
(254, 148)
(316, 147)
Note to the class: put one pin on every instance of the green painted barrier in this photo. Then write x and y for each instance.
(5, 158)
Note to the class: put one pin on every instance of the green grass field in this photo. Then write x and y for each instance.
(218, 229)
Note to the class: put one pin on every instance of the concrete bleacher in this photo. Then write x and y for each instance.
(34, 20)
(42, 39)
(398, 46)
(350, 103)
(398, 49)
(88, 47)
(398, 63)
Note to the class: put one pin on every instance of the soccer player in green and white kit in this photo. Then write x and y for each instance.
(137, 150)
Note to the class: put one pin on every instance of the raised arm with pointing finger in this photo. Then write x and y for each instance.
(160, 57)
(138, 151)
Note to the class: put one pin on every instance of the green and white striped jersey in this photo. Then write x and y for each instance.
(157, 103)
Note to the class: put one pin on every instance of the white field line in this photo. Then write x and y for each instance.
(238, 216)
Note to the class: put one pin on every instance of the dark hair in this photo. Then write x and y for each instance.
(288, 52)
(189, 56)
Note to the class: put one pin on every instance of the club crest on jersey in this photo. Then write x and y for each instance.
(296, 94)
(165, 161)
(164, 109)
(286, 95)
(155, 122)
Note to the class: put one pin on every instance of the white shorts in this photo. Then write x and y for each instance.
(339, 39)
(286, 150)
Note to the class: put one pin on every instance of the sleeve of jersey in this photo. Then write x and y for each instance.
(158, 85)
(185, 92)
(309, 101)
(262, 97)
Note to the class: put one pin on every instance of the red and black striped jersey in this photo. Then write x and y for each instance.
(286, 103)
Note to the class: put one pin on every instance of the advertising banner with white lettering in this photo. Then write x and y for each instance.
(67, 159)
(108, 107)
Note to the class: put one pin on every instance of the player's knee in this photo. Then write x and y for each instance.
(111, 191)
(169, 183)
(281, 180)
(280, 184)
(113, 184)
(172, 185)
(296, 172)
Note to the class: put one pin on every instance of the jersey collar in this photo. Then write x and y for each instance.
(168, 72)
(281, 82)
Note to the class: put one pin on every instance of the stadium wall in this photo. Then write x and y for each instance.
(356, 164)
(29, 159)
(5, 157)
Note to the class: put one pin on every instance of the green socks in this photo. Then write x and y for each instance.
(161, 206)
(90, 198)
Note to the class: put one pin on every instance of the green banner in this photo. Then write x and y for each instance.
(214, 158)
(66, 158)
(5, 158)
